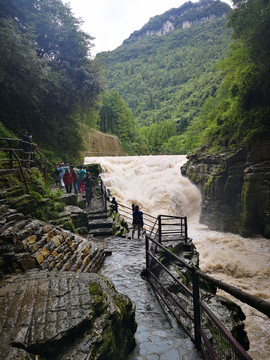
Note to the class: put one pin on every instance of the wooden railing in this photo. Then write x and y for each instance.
(13, 156)
(12, 153)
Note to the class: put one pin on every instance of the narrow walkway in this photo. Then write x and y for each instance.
(157, 337)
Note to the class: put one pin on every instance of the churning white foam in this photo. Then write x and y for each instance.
(155, 183)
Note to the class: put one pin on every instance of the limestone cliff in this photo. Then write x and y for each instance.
(235, 188)
(187, 15)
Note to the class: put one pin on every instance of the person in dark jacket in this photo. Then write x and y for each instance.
(114, 205)
(26, 147)
(137, 223)
(75, 175)
(88, 188)
(57, 175)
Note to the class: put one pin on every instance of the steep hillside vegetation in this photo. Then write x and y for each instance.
(47, 80)
(169, 77)
(235, 127)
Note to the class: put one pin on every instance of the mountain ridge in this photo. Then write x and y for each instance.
(159, 76)
(187, 15)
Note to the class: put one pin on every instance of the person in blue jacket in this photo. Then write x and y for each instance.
(61, 174)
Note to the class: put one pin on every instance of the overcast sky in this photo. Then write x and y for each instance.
(110, 22)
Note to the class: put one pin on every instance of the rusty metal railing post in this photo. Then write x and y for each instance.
(159, 229)
(146, 254)
(196, 308)
(186, 233)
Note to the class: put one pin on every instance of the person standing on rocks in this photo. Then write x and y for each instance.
(75, 176)
(88, 188)
(68, 181)
(137, 223)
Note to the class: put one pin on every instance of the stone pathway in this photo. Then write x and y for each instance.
(157, 337)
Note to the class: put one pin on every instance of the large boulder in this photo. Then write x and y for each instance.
(64, 316)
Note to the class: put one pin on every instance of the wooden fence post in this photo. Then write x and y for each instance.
(10, 154)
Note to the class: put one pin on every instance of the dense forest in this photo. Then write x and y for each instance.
(203, 83)
(48, 81)
(208, 83)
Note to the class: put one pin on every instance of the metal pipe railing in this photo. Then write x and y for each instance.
(200, 338)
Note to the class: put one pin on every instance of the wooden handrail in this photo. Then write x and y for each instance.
(12, 154)
(22, 172)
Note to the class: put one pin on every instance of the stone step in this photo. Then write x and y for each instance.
(101, 232)
(98, 215)
(100, 223)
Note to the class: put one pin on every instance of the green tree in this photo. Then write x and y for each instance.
(244, 98)
(156, 135)
(48, 82)
(116, 117)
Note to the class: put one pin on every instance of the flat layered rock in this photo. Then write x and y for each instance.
(60, 315)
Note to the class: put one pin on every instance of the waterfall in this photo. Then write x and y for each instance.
(155, 183)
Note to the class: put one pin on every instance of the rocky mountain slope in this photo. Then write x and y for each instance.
(185, 16)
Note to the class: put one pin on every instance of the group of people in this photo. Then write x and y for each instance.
(69, 176)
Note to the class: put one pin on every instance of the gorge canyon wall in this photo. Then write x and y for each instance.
(235, 187)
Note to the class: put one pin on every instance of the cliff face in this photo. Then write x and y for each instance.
(235, 188)
(187, 15)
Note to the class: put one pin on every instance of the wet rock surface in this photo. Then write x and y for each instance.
(157, 337)
(29, 243)
(64, 316)
(235, 188)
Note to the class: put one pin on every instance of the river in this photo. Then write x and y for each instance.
(155, 183)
